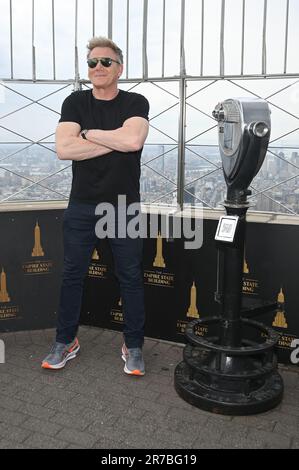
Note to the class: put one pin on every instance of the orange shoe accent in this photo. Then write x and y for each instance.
(136, 372)
(45, 365)
(74, 346)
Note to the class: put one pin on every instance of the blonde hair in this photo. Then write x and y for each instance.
(101, 41)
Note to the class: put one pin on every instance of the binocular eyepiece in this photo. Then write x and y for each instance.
(244, 128)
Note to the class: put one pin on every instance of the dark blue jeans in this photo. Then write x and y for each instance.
(79, 242)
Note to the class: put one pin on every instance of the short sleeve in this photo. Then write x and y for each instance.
(139, 107)
(69, 110)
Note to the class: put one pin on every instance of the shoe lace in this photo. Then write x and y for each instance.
(57, 347)
(136, 353)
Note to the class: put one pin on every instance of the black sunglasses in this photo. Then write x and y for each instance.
(105, 62)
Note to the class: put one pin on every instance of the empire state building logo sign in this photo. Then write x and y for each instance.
(37, 265)
(7, 310)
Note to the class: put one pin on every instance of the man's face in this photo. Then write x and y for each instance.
(104, 77)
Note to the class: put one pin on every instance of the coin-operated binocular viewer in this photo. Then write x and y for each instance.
(233, 369)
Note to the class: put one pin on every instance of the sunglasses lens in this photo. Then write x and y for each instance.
(106, 62)
(92, 63)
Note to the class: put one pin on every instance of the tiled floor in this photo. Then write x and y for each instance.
(91, 403)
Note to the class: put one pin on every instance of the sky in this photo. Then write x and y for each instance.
(64, 12)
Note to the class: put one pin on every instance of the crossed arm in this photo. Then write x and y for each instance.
(128, 138)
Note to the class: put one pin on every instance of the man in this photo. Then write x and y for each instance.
(103, 131)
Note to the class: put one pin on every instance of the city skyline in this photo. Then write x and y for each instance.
(204, 181)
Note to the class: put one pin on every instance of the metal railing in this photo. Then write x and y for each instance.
(166, 11)
(228, 11)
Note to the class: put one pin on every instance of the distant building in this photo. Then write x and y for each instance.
(189, 198)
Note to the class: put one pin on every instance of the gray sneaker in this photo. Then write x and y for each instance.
(61, 353)
(134, 364)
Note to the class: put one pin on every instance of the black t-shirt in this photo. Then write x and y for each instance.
(103, 178)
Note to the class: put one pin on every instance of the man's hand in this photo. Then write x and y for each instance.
(128, 138)
(71, 146)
